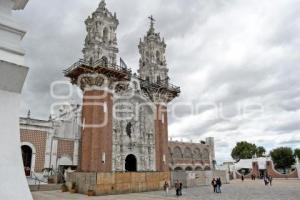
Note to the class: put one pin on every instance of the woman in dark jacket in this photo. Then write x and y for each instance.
(219, 184)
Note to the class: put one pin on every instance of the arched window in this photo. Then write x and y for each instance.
(197, 154)
(157, 56)
(177, 153)
(104, 61)
(188, 169)
(187, 153)
(105, 34)
(205, 154)
(198, 168)
(158, 79)
(170, 153)
(178, 169)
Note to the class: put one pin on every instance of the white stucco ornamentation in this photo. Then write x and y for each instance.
(101, 40)
(153, 65)
(133, 130)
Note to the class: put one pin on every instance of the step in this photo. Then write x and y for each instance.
(45, 187)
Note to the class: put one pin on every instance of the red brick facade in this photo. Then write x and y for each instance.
(189, 156)
(65, 147)
(272, 172)
(161, 139)
(38, 139)
(97, 132)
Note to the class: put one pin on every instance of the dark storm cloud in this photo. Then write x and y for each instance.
(229, 53)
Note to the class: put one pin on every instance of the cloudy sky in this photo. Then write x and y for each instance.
(236, 61)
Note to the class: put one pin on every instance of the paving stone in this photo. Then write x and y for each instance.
(236, 190)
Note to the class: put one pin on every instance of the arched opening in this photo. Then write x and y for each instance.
(105, 34)
(189, 169)
(198, 169)
(157, 56)
(197, 154)
(27, 157)
(188, 153)
(205, 154)
(158, 79)
(170, 153)
(178, 169)
(104, 61)
(131, 163)
(177, 153)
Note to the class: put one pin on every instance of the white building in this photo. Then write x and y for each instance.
(13, 185)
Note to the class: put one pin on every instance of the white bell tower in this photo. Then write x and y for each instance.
(101, 40)
(153, 65)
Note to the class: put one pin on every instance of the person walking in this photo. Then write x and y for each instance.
(243, 178)
(180, 189)
(166, 188)
(219, 184)
(270, 180)
(177, 188)
(214, 184)
(266, 180)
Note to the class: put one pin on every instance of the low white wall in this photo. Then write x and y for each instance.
(13, 184)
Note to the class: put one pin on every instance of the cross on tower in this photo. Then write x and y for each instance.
(152, 20)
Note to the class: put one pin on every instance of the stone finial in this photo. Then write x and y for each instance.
(102, 4)
(50, 117)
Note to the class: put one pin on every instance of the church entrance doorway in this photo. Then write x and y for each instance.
(27, 157)
(131, 163)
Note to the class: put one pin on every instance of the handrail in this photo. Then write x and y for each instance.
(165, 84)
(97, 63)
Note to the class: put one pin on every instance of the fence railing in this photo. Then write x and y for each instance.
(98, 63)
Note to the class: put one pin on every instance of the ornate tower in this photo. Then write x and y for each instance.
(153, 65)
(96, 75)
(101, 39)
(155, 83)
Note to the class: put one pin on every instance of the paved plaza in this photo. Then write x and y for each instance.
(248, 190)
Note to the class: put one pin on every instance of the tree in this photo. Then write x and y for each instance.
(297, 153)
(283, 157)
(243, 150)
(260, 151)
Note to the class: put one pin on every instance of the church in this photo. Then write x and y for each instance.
(122, 124)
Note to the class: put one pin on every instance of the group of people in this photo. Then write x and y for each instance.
(216, 184)
(267, 179)
(178, 188)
